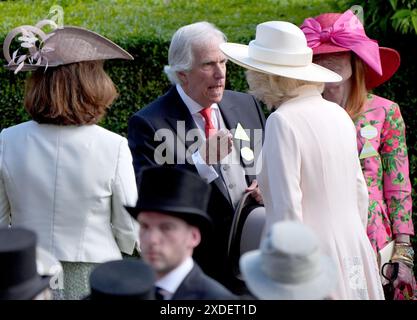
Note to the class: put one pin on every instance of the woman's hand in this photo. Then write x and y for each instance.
(405, 282)
(405, 276)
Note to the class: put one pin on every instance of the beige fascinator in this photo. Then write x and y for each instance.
(63, 45)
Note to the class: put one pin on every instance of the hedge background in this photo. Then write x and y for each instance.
(144, 28)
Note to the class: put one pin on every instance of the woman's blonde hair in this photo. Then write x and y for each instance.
(73, 94)
(274, 90)
(358, 93)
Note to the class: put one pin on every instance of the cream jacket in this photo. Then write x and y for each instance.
(69, 185)
(311, 172)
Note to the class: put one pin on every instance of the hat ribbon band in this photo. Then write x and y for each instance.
(277, 57)
(347, 32)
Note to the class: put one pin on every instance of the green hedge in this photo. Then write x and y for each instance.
(144, 28)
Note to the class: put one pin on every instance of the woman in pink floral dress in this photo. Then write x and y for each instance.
(339, 43)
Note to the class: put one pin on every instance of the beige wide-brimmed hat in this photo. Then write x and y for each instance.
(63, 45)
(289, 265)
(280, 48)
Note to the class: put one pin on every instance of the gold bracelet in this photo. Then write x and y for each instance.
(404, 249)
(401, 257)
(404, 259)
(406, 262)
(403, 244)
(396, 255)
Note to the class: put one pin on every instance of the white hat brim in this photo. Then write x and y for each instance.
(238, 53)
(266, 288)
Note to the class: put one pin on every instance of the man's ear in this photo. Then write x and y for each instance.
(195, 236)
(182, 76)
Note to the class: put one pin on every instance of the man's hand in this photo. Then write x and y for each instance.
(255, 192)
(217, 147)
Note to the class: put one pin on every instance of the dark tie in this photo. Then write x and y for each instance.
(209, 128)
(158, 294)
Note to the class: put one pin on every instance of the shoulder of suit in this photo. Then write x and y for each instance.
(19, 127)
(90, 131)
(236, 94)
(109, 134)
(241, 99)
(211, 289)
(157, 106)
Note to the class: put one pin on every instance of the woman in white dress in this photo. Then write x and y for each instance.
(310, 169)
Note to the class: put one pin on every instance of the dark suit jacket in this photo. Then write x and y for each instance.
(198, 286)
(164, 113)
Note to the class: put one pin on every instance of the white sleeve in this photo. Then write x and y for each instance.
(205, 171)
(4, 201)
(125, 228)
(363, 196)
(281, 172)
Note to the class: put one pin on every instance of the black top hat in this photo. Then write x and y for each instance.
(176, 192)
(129, 279)
(19, 279)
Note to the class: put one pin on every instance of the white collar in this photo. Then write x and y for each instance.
(192, 106)
(172, 280)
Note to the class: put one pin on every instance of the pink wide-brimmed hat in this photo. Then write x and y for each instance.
(336, 32)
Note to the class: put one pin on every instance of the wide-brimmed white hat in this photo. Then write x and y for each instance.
(289, 265)
(280, 48)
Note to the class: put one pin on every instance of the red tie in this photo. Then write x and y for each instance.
(209, 128)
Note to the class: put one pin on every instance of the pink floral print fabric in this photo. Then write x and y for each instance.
(386, 173)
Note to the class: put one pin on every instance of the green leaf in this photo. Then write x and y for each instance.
(400, 14)
(414, 20)
(399, 179)
(393, 4)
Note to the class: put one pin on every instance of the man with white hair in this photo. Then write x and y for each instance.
(189, 127)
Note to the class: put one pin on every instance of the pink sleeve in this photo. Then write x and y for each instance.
(397, 186)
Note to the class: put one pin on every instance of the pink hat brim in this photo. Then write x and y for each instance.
(390, 58)
(390, 62)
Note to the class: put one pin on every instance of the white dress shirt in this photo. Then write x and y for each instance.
(171, 281)
(205, 171)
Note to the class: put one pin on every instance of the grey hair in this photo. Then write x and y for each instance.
(180, 53)
(274, 90)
